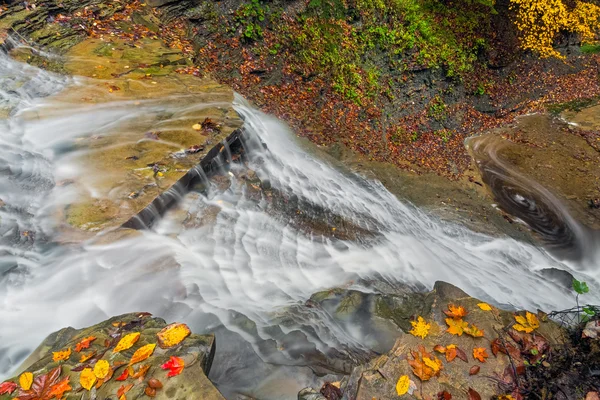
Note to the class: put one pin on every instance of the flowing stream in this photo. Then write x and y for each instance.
(247, 273)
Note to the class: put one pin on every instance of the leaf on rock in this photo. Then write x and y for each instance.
(62, 355)
(101, 369)
(142, 353)
(420, 328)
(172, 335)
(175, 365)
(26, 380)
(58, 390)
(473, 395)
(402, 385)
(84, 344)
(474, 370)
(462, 355)
(126, 342)
(197, 127)
(526, 324)
(456, 312)
(480, 354)
(451, 352)
(124, 389)
(42, 386)
(496, 346)
(444, 395)
(474, 331)
(8, 387)
(456, 326)
(424, 365)
(84, 357)
(124, 375)
(87, 378)
(439, 348)
(484, 306)
(141, 372)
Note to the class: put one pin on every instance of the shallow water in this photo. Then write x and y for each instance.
(247, 272)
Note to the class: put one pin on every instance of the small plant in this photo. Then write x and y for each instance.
(480, 91)
(589, 311)
(437, 109)
(249, 17)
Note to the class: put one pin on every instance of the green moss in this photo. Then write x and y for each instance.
(575, 105)
(590, 48)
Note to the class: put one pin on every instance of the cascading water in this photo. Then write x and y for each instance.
(247, 268)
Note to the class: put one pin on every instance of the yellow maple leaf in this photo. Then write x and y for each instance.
(484, 306)
(172, 335)
(87, 378)
(26, 380)
(142, 353)
(456, 326)
(424, 365)
(402, 385)
(61, 355)
(126, 342)
(434, 363)
(420, 328)
(526, 324)
(101, 369)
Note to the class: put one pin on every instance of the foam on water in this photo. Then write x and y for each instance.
(247, 275)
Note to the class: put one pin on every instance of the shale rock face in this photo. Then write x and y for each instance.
(196, 351)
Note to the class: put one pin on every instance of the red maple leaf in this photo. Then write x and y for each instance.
(43, 386)
(174, 365)
(7, 387)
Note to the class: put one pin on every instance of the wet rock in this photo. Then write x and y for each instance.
(377, 378)
(197, 351)
(310, 394)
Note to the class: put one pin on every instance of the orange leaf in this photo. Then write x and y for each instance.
(175, 365)
(456, 326)
(425, 366)
(61, 355)
(142, 353)
(456, 312)
(126, 342)
(480, 354)
(124, 389)
(57, 391)
(172, 335)
(141, 372)
(439, 348)
(84, 344)
(451, 354)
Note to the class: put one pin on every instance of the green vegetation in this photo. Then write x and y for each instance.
(575, 105)
(249, 17)
(359, 46)
(590, 48)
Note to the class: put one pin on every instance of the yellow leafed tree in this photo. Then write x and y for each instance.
(539, 21)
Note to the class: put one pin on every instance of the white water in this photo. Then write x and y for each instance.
(248, 263)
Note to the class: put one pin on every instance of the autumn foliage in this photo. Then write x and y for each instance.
(540, 21)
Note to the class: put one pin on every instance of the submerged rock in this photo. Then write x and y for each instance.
(93, 346)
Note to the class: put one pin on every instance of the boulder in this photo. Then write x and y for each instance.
(196, 351)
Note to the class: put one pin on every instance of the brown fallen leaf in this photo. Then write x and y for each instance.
(461, 354)
(444, 395)
(124, 389)
(474, 370)
(473, 395)
(424, 365)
